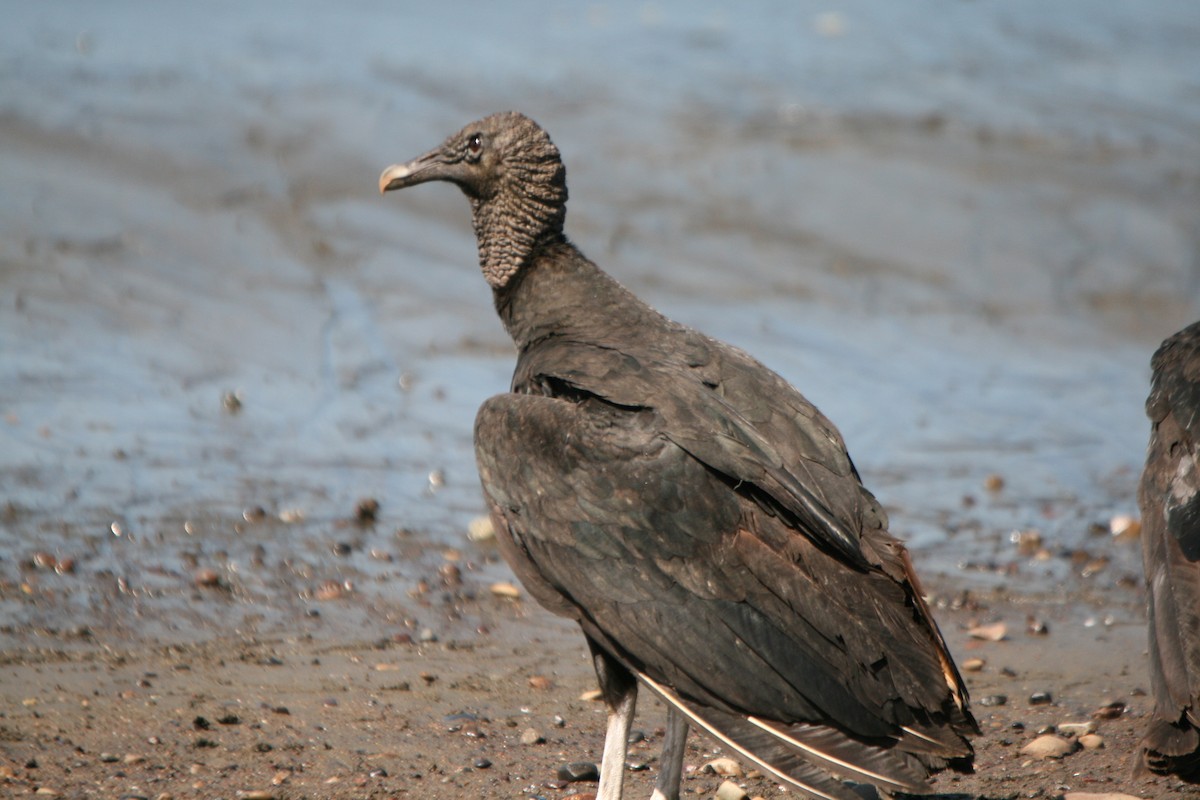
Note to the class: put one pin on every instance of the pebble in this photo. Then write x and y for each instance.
(578, 771)
(45, 791)
(1040, 699)
(974, 664)
(591, 695)
(291, 515)
(723, 766)
(1124, 527)
(531, 736)
(480, 529)
(1091, 741)
(482, 763)
(993, 483)
(232, 402)
(1050, 746)
(207, 578)
(505, 589)
(540, 682)
(330, 590)
(1077, 729)
(1110, 710)
(257, 794)
(992, 700)
(1099, 796)
(731, 791)
(989, 633)
(366, 511)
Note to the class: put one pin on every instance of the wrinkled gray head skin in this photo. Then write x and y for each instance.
(512, 174)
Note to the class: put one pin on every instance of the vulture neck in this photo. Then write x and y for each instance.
(560, 293)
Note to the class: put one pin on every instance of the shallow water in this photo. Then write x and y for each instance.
(960, 228)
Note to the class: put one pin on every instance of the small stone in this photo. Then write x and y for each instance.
(1050, 746)
(989, 633)
(540, 682)
(482, 763)
(591, 695)
(729, 790)
(46, 791)
(1076, 729)
(291, 515)
(505, 589)
(133, 758)
(207, 578)
(1124, 527)
(578, 771)
(257, 794)
(1040, 699)
(480, 529)
(993, 482)
(974, 664)
(232, 402)
(531, 736)
(330, 590)
(1091, 741)
(1028, 542)
(1110, 710)
(992, 700)
(723, 766)
(1099, 796)
(366, 511)
(109, 758)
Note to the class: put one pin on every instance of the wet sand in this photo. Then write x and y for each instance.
(961, 233)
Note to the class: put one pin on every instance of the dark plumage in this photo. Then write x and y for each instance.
(1169, 496)
(696, 515)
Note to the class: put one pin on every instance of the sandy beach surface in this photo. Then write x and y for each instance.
(237, 386)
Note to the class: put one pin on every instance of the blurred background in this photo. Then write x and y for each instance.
(960, 227)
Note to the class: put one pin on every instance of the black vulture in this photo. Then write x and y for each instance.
(697, 516)
(1169, 496)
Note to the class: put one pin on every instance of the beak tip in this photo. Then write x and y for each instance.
(392, 177)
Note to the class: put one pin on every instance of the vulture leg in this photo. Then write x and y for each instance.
(670, 768)
(619, 689)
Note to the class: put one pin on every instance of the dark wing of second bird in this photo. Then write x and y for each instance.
(1170, 499)
(705, 526)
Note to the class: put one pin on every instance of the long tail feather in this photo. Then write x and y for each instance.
(807, 757)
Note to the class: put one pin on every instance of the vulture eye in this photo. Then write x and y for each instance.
(474, 144)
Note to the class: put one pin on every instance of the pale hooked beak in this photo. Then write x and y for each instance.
(428, 167)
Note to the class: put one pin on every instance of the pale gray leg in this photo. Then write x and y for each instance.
(616, 746)
(670, 767)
